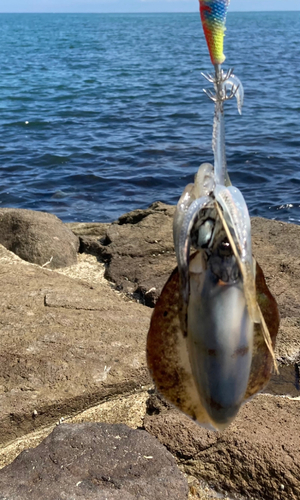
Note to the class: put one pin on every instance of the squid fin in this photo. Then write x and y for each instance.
(167, 355)
(263, 356)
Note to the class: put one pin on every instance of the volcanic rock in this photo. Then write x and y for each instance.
(257, 456)
(276, 246)
(139, 254)
(73, 343)
(94, 462)
(65, 345)
(38, 237)
(137, 248)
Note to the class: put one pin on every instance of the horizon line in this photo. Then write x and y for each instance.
(144, 12)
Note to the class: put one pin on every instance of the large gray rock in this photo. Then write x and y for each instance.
(38, 237)
(94, 462)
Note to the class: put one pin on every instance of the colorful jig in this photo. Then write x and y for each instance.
(213, 330)
(213, 17)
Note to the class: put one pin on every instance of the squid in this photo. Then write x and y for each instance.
(210, 346)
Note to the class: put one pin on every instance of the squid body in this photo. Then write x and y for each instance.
(212, 333)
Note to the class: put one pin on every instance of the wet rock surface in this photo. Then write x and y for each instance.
(38, 237)
(94, 462)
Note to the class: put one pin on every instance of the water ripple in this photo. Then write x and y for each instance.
(101, 114)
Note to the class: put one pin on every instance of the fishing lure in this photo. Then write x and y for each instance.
(213, 17)
(212, 332)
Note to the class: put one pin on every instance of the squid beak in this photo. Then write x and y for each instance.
(220, 345)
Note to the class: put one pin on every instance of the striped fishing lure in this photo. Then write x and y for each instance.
(213, 17)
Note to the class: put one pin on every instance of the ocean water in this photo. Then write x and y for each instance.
(101, 114)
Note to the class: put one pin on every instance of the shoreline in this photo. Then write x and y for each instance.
(79, 335)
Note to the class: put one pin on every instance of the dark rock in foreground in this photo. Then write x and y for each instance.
(94, 462)
(38, 237)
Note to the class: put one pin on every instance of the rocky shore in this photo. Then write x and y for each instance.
(76, 300)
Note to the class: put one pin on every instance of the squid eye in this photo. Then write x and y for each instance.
(201, 236)
(224, 248)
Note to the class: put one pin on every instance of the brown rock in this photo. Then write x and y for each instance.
(89, 229)
(65, 346)
(128, 246)
(257, 456)
(38, 237)
(139, 253)
(142, 240)
(276, 246)
(138, 249)
(94, 462)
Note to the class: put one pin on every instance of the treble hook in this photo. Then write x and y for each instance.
(224, 83)
(226, 86)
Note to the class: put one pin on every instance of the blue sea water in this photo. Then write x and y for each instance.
(101, 114)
